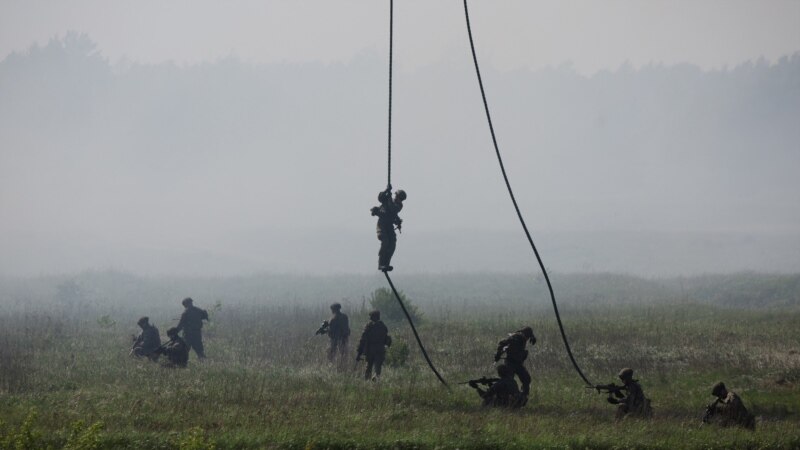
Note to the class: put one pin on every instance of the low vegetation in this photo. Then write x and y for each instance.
(66, 380)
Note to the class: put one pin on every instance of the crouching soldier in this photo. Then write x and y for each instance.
(502, 392)
(728, 409)
(147, 342)
(374, 340)
(629, 397)
(176, 350)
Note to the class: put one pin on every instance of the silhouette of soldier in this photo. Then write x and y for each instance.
(504, 392)
(176, 350)
(728, 409)
(148, 340)
(374, 340)
(387, 219)
(632, 402)
(191, 324)
(338, 332)
(515, 355)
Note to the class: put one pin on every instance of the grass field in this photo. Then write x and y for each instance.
(66, 379)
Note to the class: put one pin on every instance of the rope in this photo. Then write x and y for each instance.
(514, 201)
(414, 329)
(391, 34)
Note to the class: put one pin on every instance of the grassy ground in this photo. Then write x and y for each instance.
(266, 383)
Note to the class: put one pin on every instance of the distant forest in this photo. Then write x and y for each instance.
(104, 164)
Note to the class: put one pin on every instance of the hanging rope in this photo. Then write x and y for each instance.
(514, 201)
(391, 34)
(414, 329)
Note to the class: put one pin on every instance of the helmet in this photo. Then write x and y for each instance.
(172, 332)
(626, 374)
(718, 389)
(187, 301)
(401, 195)
(336, 306)
(143, 321)
(504, 371)
(375, 315)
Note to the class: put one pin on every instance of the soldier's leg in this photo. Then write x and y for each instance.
(524, 377)
(368, 372)
(388, 244)
(332, 350)
(622, 409)
(195, 342)
(379, 358)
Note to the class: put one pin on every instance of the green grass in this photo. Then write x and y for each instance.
(266, 383)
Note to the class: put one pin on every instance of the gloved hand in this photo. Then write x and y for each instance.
(473, 384)
(374, 210)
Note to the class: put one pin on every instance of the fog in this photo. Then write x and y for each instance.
(235, 167)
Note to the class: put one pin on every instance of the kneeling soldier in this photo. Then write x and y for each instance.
(176, 350)
(629, 397)
(503, 392)
(728, 409)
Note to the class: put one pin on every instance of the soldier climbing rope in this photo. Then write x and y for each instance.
(386, 268)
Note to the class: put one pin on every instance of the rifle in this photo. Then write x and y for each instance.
(488, 382)
(161, 348)
(323, 329)
(711, 409)
(610, 389)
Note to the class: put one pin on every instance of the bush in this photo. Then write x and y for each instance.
(397, 354)
(384, 301)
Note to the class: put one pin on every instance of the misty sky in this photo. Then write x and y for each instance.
(667, 146)
(593, 35)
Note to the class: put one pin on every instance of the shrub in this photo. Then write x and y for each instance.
(384, 301)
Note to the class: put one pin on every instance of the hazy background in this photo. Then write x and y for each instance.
(204, 138)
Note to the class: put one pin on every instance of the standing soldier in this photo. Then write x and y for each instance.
(338, 332)
(374, 340)
(148, 340)
(630, 403)
(729, 409)
(191, 324)
(176, 350)
(387, 219)
(515, 354)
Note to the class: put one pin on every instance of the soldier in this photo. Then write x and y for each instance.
(176, 350)
(504, 392)
(191, 324)
(632, 402)
(147, 341)
(387, 219)
(729, 409)
(338, 332)
(515, 354)
(374, 340)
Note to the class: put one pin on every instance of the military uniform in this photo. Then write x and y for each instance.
(503, 393)
(374, 340)
(730, 411)
(634, 403)
(191, 324)
(387, 219)
(515, 355)
(147, 342)
(176, 351)
(339, 334)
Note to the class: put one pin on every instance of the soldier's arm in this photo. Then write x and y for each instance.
(500, 349)
(203, 314)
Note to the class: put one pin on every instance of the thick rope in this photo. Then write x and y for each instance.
(414, 329)
(391, 35)
(514, 200)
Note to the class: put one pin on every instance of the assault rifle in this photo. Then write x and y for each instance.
(323, 329)
(488, 382)
(711, 409)
(611, 389)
